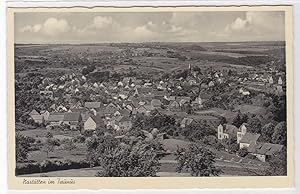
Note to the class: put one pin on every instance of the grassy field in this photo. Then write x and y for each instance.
(251, 109)
(59, 153)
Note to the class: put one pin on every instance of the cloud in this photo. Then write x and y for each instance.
(143, 27)
(50, 27)
(240, 25)
(261, 25)
(53, 26)
(29, 28)
(100, 22)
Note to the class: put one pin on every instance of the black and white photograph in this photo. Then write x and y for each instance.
(150, 94)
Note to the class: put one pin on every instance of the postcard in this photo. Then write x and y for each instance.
(150, 98)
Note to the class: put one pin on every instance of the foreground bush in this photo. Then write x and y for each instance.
(47, 166)
(198, 160)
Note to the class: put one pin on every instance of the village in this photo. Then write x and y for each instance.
(226, 109)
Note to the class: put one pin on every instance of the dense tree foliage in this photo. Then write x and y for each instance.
(88, 69)
(240, 119)
(267, 132)
(198, 160)
(243, 152)
(278, 164)
(124, 157)
(254, 125)
(22, 147)
(280, 133)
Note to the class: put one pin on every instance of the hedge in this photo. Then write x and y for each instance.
(47, 166)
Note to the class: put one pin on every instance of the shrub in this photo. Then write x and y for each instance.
(79, 139)
(243, 152)
(251, 157)
(47, 166)
(22, 147)
(198, 160)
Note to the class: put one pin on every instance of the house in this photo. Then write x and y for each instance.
(92, 105)
(280, 82)
(149, 108)
(141, 109)
(80, 110)
(124, 112)
(92, 123)
(72, 119)
(61, 108)
(85, 116)
(144, 109)
(186, 122)
(226, 131)
(53, 107)
(124, 94)
(55, 118)
(271, 81)
(128, 105)
(45, 114)
(241, 132)
(110, 109)
(211, 84)
(191, 80)
(279, 89)
(124, 123)
(247, 139)
(34, 112)
(263, 151)
(142, 91)
(38, 118)
(174, 105)
(156, 103)
(183, 99)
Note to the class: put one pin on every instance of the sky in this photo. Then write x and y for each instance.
(102, 27)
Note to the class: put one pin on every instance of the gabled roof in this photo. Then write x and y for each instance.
(172, 98)
(123, 119)
(250, 138)
(156, 102)
(264, 148)
(124, 112)
(79, 110)
(110, 110)
(34, 112)
(186, 121)
(173, 102)
(144, 90)
(72, 116)
(91, 105)
(85, 116)
(159, 93)
(185, 98)
(97, 119)
(149, 107)
(55, 117)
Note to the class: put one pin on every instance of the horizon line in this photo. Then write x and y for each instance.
(157, 42)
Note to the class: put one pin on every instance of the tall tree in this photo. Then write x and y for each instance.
(267, 132)
(198, 160)
(280, 133)
(254, 125)
(22, 147)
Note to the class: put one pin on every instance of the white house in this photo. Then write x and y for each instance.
(92, 123)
